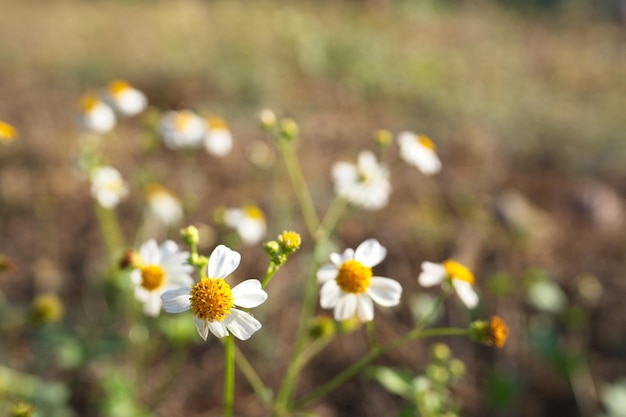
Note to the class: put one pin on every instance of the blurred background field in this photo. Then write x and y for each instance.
(525, 101)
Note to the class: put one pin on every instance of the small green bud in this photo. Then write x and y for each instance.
(190, 235)
(491, 333)
(46, 308)
(289, 241)
(322, 327)
(22, 410)
(383, 138)
(268, 120)
(438, 374)
(441, 352)
(350, 325)
(272, 248)
(289, 129)
(456, 367)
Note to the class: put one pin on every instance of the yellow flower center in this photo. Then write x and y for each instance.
(253, 212)
(7, 132)
(116, 87)
(353, 277)
(88, 103)
(216, 123)
(498, 331)
(211, 299)
(182, 119)
(426, 142)
(457, 271)
(152, 277)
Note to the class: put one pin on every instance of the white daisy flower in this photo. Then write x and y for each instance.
(212, 301)
(160, 269)
(7, 132)
(365, 184)
(108, 187)
(248, 221)
(348, 286)
(419, 151)
(164, 204)
(182, 129)
(453, 273)
(217, 141)
(96, 115)
(125, 99)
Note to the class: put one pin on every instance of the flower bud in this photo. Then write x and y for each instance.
(268, 120)
(190, 235)
(46, 308)
(491, 333)
(289, 129)
(289, 241)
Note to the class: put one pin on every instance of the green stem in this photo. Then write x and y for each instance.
(299, 186)
(373, 354)
(111, 232)
(272, 268)
(332, 216)
(260, 389)
(229, 375)
(371, 334)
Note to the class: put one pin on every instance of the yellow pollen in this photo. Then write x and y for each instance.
(217, 123)
(151, 277)
(211, 299)
(253, 212)
(498, 331)
(457, 271)
(426, 142)
(7, 132)
(353, 277)
(116, 87)
(88, 103)
(182, 119)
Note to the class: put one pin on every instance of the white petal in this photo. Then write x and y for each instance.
(217, 328)
(329, 294)
(365, 307)
(176, 301)
(385, 291)
(222, 262)
(466, 292)
(152, 306)
(346, 307)
(150, 253)
(432, 274)
(326, 273)
(202, 326)
(241, 324)
(249, 294)
(370, 253)
(338, 259)
(135, 277)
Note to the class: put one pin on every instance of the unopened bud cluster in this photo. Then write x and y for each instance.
(284, 130)
(491, 333)
(278, 250)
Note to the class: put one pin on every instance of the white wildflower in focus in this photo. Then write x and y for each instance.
(164, 204)
(159, 269)
(365, 184)
(212, 300)
(95, 115)
(7, 132)
(545, 295)
(454, 274)
(419, 151)
(125, 99)
(182, 129)
(217, 141)
(107, 186)
(348, 284)
(248, 221)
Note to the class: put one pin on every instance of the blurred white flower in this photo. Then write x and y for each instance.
(107, 186)
(182, 129)
(212, 300)
(125, 99)
(614, 398)
(546, 295)
(248, 221)
(164, 204)
(160, 269)
(454, 274)
(96, 115)
(365, 184)
(7, 132)
(419, 151)
(348, 286)
(218, 141)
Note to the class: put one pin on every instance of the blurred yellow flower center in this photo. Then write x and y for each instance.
(211, 299)
(290, 240)
(7, 132)
(116, 87)
(353, 276)
(182, 119)
(426, 142)
(253, 212)
(151, 277)
(457, 271)
(88, 103)
(217, 123)
(498, 331)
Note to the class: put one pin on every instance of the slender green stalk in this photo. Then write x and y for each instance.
(332, 216)
(272, 268)
(111, 232)
(373, 354)
(299, 186)
(229, 375)
(371, 334)
(262, 392)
